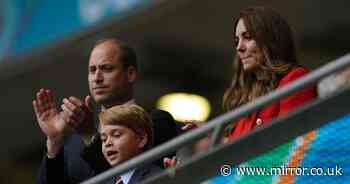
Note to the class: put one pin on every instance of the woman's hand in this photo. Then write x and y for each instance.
(170, 162)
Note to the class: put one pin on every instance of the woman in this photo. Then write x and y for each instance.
(265, 60)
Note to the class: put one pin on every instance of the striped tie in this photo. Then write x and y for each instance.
(118, 180)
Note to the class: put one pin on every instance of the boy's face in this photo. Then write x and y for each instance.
(120, 143)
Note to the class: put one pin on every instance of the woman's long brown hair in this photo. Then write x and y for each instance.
(274, 38)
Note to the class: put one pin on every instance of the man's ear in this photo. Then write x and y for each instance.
(143, 141)
(132, 74)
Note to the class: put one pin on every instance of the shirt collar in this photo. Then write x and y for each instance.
(127, 176)
(132, 101)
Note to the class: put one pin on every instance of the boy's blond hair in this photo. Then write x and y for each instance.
(131, 116)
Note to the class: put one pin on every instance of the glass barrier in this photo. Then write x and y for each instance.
(320, 156)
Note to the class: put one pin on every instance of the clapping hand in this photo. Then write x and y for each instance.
(79, 116)
(50, 120)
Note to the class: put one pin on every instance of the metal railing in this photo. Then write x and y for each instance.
(217, 125)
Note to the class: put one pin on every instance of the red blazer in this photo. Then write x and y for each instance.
(277, 108)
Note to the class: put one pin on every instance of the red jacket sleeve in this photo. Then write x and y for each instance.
(298, 98)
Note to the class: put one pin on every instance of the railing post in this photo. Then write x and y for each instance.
(217, 136)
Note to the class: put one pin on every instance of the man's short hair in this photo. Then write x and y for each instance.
(131, 116)
(128, 54)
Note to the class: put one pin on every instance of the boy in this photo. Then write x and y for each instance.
(126, 131)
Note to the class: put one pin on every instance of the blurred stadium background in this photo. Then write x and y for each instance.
(183, 46)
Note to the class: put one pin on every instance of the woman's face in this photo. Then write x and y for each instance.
(248, 52)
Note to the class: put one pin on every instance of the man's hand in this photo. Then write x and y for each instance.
(50, 121)
(79, 116)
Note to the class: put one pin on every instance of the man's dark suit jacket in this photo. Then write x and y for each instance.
(76, 162)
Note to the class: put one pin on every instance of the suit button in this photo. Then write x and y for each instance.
(258, 122)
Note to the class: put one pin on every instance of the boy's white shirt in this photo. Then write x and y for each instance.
(127, 176)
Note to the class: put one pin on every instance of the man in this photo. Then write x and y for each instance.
(112, 73)
(126, 131)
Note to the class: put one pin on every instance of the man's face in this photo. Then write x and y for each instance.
(120, 143)
(109, 82)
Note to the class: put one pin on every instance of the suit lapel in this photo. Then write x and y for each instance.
(144, 172)
(111, 181)
(138, 175)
